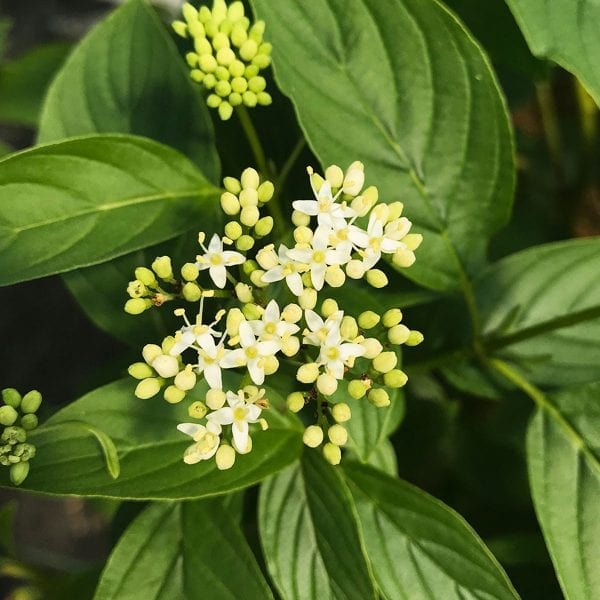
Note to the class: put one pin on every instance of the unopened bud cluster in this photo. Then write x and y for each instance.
(17, 418)
(271, 315)
(229, 53)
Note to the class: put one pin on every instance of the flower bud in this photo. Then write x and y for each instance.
(232, 185)
(248, 50)
(414, 338)
(150, 352)
(233, 230)
(185, 380)
(391, 317)
(250, 99)
(265, 191)
(307, 279)
(11, 397)
(19, 472)
(8, 415)
(355, 269)
(249, 266)
(327, 384)
(335, 276)
(379, 398)
(338, 435)
(257, 84)
(295, 401)
(225, 457)
(147, 388)
(398, 334)
(180, 28)
(230, 204)
(215, 399)
(354, 179)
(31, 401)
(167, 344)
(299, 219)
(197, 410)
(303, 235)
(349, 328)
(232, 323)
(291, 313)
(377, 278)
(136, 306)
(166, 365)
(244, 242)
(29, 422)
(245, 450)
(191, 292)
(270, 364)
(357, 389)
(249, 216)
(403, 258)
(238, 35)
(136, 289)
(264, 226)
(252, 312)
(189, 272)
(395, 378)
(225, 111)
(328, 307)
(140, 370)
(290, 346)
(385, 362)
(243, 292)
(332, 453)
(250, 179)
(248, 197)
(341, 412)
(313, 436)
(308, 298)
(173, 394)
(162, 267)
(335, 176)
(267, 257)
(308, 373)
(368, 319)
(372, 348)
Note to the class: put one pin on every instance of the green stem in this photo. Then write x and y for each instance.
(289, 163)
(550, 122)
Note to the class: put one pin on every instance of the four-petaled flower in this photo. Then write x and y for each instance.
(374, 241)
(216, 260)
(328, 211)
(318, 329)
(206, 441)
(272, 326)
(287, 269)
(335, 354)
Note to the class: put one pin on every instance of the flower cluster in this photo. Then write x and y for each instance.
(342, 233)
(228, 55)
(15, 452)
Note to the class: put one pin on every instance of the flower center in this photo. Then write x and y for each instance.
(333, 353)
(239, 413)
(270, 328)
(216, 259)
(318, 256)
(207, 442)
(251, 352)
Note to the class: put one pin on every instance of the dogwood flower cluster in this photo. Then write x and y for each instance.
(228, 55)
(257, 307)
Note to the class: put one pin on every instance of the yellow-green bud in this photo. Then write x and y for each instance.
(256, 277)
(398, 334)
(270, 364)
(250, 99)
(213, 100)
(249, 266)
(180, 28)
(232, 323)
(295, 401)
(233, 230)
(291, 313)
(368, 319)
(264, 99)
(230, 204)
(335, 276)
(250, 179)
(136, 306)
(403, 258)
(235, 99)
(173, 394)
(257, 30)
(372, 348)
(237, 69)
(225, 457)
(150, 352)
(355, 269)
(252, 312)
(377, 278)
(31, 401)
(140, 370)
(316, 180)
(341, 412)
(349, 328)
(412, 241)
(185, 380)
(165, 365)
(215, 399)
(395, 210)
(335, 176)
(308, 298)
(239, 85)
(197, 410)
(162, 267)
(263, 226)
(136, 289)
(379, 398)
(249, 216)
(248, 49)
(11, 397)
(191, 292)
(328, 307)
(395, 378)
(204, 14)
(290, 345)
(220, 41)
(146, 276)
(235, 11)
(244, 242)
(357, 388)
(209, 81)
(313, 436)
(232, 185)
(327, 384)
(267, 257)
(332, 453)
(8, 415)
(257, 84)
(189, 12)
(391, 317)
(19, 472)
(299, 219)
(167, 344)
(147, 388)
(265, 191)
(382, 212)
(196, 29)
(202, 46)
(265, 48)
(207, 62)
(29, 422)
(338, 435)
(385, 362)
(243, 292)
(222, 88)
(189, 272)
(308, 373)
(238, 35)
(414, 338)
(222, 73)
(225, 111)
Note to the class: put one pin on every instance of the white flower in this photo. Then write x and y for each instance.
(238, 414)
(319, 256)
(287, 269)
(318, 330)
(272, 326)
(206, 441)
(374, 241)
(328, 212)
(216, 260)
(210, 356)
(251, 354)
(335, 353)
(190, 334)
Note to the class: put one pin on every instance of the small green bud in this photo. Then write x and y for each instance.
(147, 388)
(213, 101)
(248, 197)
(220, 40)
(31, 401)
(233, 230)
(208, 63)
(308, 299)
(265, 191)
(244, 242)
(338, 435)
(379, 398)
(166, 365)
(404, 258)
(13, 435)
(136, 306)
(392, 317)
(357, 389)
(349, 328)
(8, 415)
(335, 276)
(257, 84)
(191, 59)
(248, 50)
(368, 319)
(372, 348)
(173, 394)
(150, 352)
(190, 272)
(239, 85)
(332, 453)
(225, 111)
(11, 397)
(251, 71)
(243, 292)
(197, 410)
(327, 384)
(233, 321)
(265, 48)
(162, 267)
(237, 69)
(398, 334)
(136, 289)
(225, 457)
(204, 14)
(264, 226)
(395, 378)
(19, 472)
(180, 28)
(238, 35)
(335, 176)
(215, 399)
(235, 99)
(414, 338)
(146, 276)
(29, 422)
(377, 278)
(223, 88)
(328, 307)
(185, 380)
(249, 216)
(295, 401)
(232, 185)
(261, 61)
(25, 451)
(252, 312)
(191, 291)
(230, 204)
(249, 99)
(250, 179)
(313, 436)
(385, 362)
(249, 267)
(412, 240)
(209, 81)
(197, 75)
(341, 412)
(308, 373)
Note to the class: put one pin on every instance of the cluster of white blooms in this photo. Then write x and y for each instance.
(228, 55)
(342, 233)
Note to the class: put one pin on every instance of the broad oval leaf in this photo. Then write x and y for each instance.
(420, 548)
(150, 450)
(564, 474)
(541, 308)
(180, 551)
(403, 87)
(565, 31)
(310, 536)
(90, 199)
(126, 76)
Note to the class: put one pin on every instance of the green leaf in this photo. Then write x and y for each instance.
(420, 548)
(383, 457)
(310, 534)
(90, 199)
(126, 76)
(181, 551)
(564, 474)
(24, 81)
(370, 81)
(149, 447)
(541, 309)
(565, 31)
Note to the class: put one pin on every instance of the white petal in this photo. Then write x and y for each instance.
(190, 428)
(233, 258)
(212, 374)
(294, 282)
(246, 336)
(215, 244)
(351, 350)
(240, 434)
(223, 416)
(256, 373)
(274, 274)
(233, 358)
(268, 348)
(308, 207)
(321, 238)
(253, 413)
(317, 276)
(313, 320)
(358, 236)
(300, 255)
(272, 312)
(218, 274)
